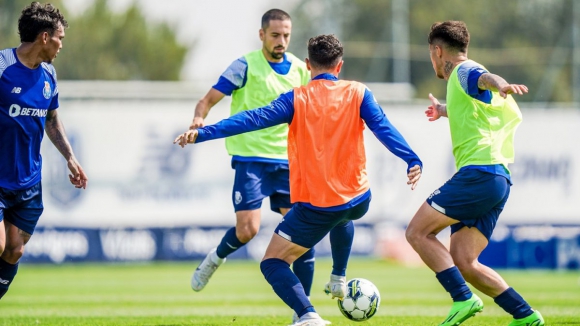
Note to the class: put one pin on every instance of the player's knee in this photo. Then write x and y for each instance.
(411, 235)
(12, 254)
(466, 267)
(245, 234)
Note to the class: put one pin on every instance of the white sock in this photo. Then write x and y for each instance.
(310, 315)
(216, 259)
(337, 278)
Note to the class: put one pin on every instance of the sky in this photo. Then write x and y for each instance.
(223, 30)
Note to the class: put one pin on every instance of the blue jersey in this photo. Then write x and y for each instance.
(281, 110)
(26, 96)
(468, 74)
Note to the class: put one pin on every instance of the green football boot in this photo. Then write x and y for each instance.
(534, 319)
(463, 310)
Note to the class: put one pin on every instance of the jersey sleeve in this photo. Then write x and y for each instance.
(468, 74)
(279, 111)
(233, 78)
(375, 118)
(54, 103)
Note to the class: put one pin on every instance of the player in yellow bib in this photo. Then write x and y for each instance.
(260, 158)
(483, 117)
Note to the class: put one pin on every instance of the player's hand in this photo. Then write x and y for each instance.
(196, 123)
(433, 110)
(414, 176)
(512, 89)
(77, 177)
(187, 137)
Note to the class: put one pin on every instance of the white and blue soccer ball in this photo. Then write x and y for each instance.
(362, 300)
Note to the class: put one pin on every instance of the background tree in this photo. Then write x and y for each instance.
(526, 41)
(100, 44)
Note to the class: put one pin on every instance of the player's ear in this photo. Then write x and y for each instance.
(44, 36)
(438, 51)
(339, 67)
(307, 64)
(262, 34)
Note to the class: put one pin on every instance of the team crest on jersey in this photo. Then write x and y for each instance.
(46, 90)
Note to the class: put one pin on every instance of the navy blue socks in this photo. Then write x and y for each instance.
(7, 273)
(454, 283)
(341, 238)
(286, 285)
(303, 267)
(513, 304)
(229, 244)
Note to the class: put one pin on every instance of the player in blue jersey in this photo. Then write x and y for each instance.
(28, 108)
(259, 159)
(483, 117)
(329, 184)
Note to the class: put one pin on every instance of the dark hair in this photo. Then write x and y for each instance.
(324, 51)
(273, 14)
(39, 18)
(452, 33)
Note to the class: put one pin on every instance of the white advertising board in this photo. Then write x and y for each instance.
(137, 177)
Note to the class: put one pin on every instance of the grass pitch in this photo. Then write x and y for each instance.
(159, 294)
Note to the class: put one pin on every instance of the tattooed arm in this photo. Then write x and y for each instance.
(496, 83)
(55, 132)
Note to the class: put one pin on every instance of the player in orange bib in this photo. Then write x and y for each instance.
(329, 187)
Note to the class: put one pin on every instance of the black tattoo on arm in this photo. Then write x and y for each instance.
(55, 131)
(491, 82)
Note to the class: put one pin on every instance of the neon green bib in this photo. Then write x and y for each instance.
(263, 85)
(481, 133)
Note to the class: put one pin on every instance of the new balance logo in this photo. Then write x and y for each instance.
(16, 90)
(5, 282)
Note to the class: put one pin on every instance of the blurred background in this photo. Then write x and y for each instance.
(131, 71)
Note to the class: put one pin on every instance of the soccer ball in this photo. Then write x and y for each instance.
(361, 301)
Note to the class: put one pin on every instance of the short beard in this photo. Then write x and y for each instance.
(277, 55)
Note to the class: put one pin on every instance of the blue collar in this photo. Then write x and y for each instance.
(326, 75)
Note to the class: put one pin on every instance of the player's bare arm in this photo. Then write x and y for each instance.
(203, 106)
(187, 137)
(494, 82)
(55, 131)
(436, 110)
(414, 175)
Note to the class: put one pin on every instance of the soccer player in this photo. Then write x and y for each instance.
(329, 187)
(259, 158)
(28, 103)
(483, 117)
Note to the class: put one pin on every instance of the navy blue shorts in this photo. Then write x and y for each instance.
(474, 198)
(306, 227)
(22, 207)
(255, 181)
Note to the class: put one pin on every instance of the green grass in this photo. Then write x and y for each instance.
(159, 294)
